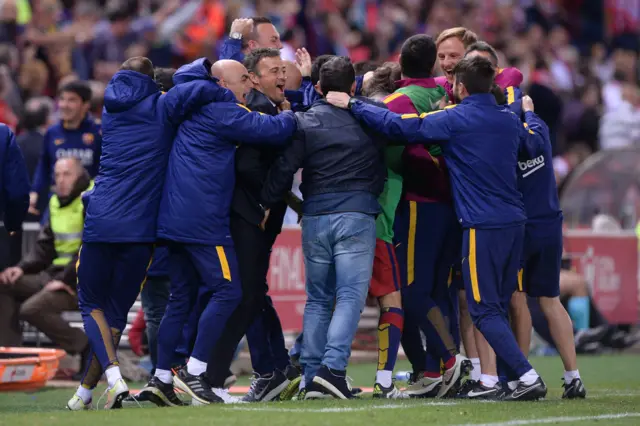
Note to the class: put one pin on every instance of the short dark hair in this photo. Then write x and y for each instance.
(36, 114)
(316, 65)
(483, 46)
(384, 79)
(364, 67)
(139, 64)
(418, 56)
(257, 20)
(476, 74)
(164, 77)
(252, 60)
(80, 88)
(337, 75)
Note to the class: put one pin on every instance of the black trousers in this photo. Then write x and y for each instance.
(253, 250)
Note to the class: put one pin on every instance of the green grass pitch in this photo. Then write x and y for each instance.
(613, 384)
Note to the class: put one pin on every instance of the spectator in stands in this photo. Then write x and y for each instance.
(76, 135)
(43, 284)
(620, 127)
(34, 125)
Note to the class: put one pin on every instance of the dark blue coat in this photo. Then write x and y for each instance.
(138, 125)
(201, 174)
(14, 181)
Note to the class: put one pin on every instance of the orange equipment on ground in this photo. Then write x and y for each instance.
(27, 369)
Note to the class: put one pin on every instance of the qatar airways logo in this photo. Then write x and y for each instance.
(85, 155)
(530, 166)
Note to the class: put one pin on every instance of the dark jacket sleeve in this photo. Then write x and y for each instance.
(16, 185)
(42, 254)
(232, 49)
(280, 177)
(237, 123)
(183, 99)
(534, 135)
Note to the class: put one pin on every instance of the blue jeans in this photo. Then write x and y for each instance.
(338, 258)
(155, 296)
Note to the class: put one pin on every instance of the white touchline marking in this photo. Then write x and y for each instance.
(547, 420)
(337, 409)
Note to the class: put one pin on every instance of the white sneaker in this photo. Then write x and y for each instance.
(77, 404)
(452, 377)
(424, 387)
(226, 398)
(116, 394)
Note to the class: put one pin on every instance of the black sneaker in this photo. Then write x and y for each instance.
(293, 375)
(161, 394)
(315, 391)
(475, 390)
(333, 382)
(574, 390)
(266, 388)
(533, 392)
(132, 399)
(196, 387)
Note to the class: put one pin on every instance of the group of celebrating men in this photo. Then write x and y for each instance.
(434, 195)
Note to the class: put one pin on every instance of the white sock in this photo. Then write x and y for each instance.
(164, 376)
(569, 376)
(384, 378)
(529, 377)
(84, 394)
(476, 372)
(513, 384)
(488, 381)
(113, 375)
(303, 383)
(195, 367)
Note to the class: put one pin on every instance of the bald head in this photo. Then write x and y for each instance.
(234, 76)
(294, 77)
(67, 171)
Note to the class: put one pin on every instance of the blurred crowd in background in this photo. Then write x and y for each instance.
(579, 57)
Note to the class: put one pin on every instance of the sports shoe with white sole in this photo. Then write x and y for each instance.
(423, 387)
(391, 392)
(115, 394)
(77, 404)
(453, 376)
(196, 387)
(161, 394)
(533, 392)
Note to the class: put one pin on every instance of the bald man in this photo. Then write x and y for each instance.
(233, 76)
(202, 261)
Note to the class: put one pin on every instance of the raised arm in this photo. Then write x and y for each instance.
(534, 135)
(236, 122)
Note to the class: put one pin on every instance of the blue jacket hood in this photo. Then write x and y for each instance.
(127, 89)
(196, 70)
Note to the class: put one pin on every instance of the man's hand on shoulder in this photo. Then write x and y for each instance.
(284, 106)
(527, 104)
(339, 99)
